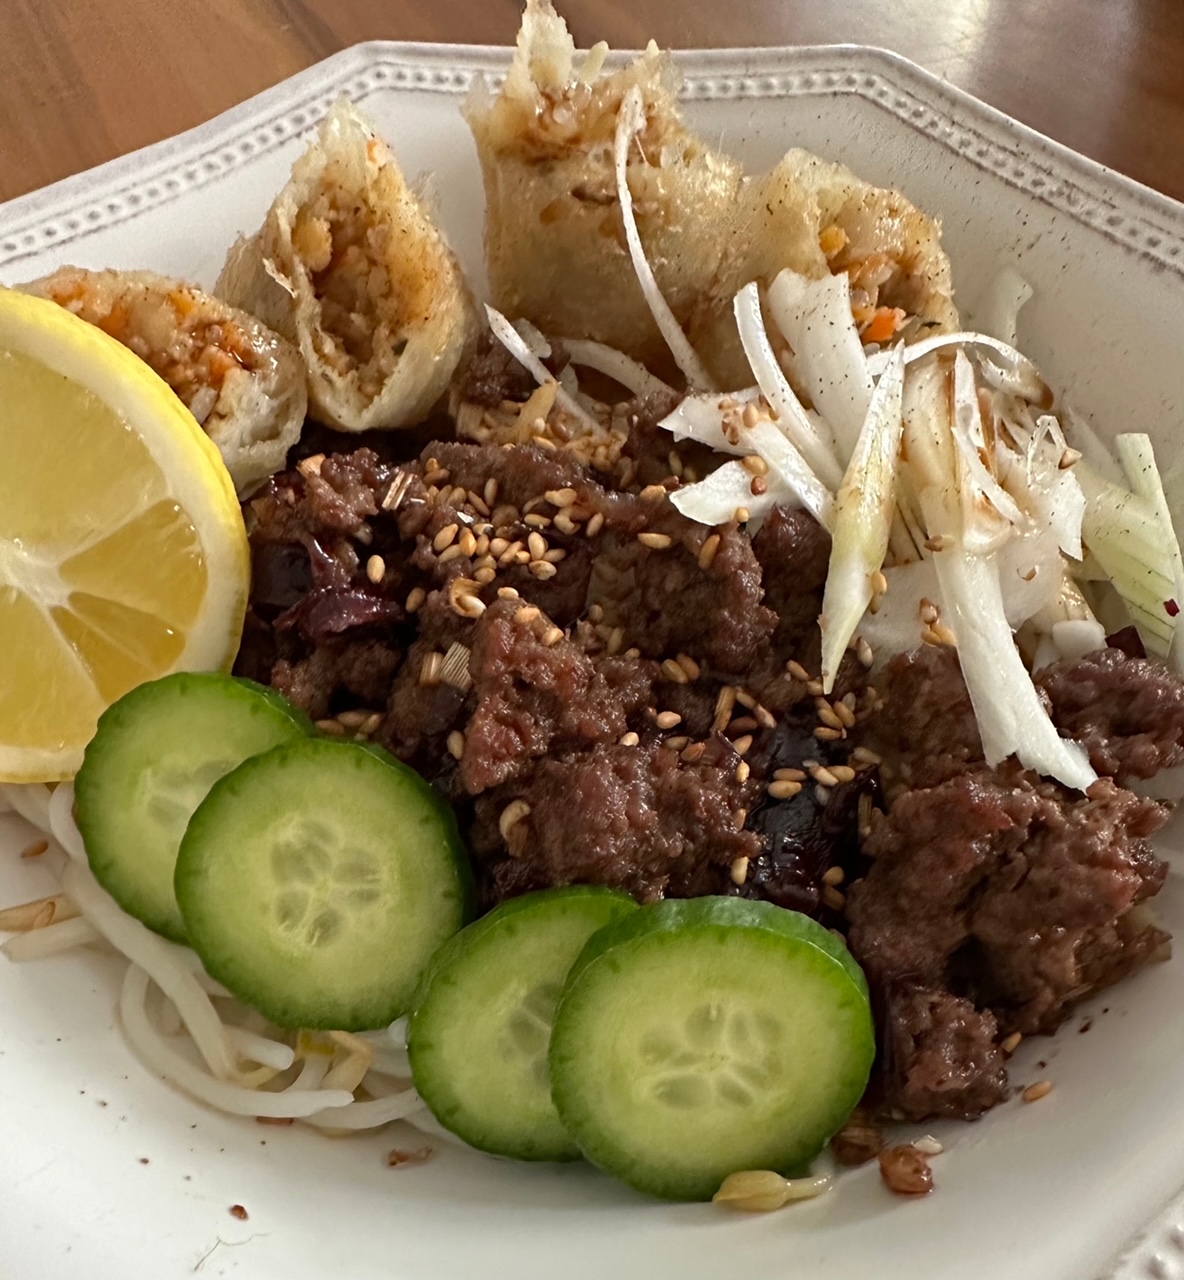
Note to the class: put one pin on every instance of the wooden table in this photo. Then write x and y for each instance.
(82, 81)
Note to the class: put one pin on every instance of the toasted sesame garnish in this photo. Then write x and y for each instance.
(879, 583)
(511, 816)
(485, 575)
(814, 687)
(372, 721)
(507, 593)
(594, 525)
(668, 719)
(652, 492)
(743, 724)
(789, 775)
(467, 542)
(764, 717)
(677, 743)
(758, 486)
(742, 745)
(376, 569)
(445, 537)
(824, 733)
(832, 898)
(552, 636)
(629, 739)
(745, 699)
(450, 553)
(1069, 458)
(741, 515)
(456, 744)
(944, 634)
(331, 727)
(543, 569)
(864, 652)
(783, 789)
(724, 703)
(694, 752)
(1011, 1043)
(352, 719)
(754, 463)
(820, 773)
(595, 613)
(939, 542)
(537, 545)
(796, 670)
(311, 466)
(929, 611)
(537, 521)
(35, 850)
(498, 546)
(842, 773)
(561, 497)
(554, 555)
(845, 714)
(928, 1145)
(743, 769)
(834, 876)
(673, 671)
(827, 715)
(490, 494)
(865, 755)
(462, 596)
(528, 614)
(689, 665)
(1034, 1092)
(616, 638)
(739, 871)
(655, 541)
(564, 523)
(674, 462)
(707, 551)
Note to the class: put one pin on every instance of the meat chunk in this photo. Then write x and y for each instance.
(1008, 891)
(364, 670)
(636, 818)
(793, 551)
(1128, 712)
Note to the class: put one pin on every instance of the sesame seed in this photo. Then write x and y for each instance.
(527, 614)
(449, 553)
(864, 652)
(616, 638)
(490, 491)
(751, 415)
(755, 465)
(745, 699)
(594, 526)
(652, 492)
(595, 613)
(36, 849)
(482, 546)
(707, 551)
(311, 466)
(467, 542)
(694, 752)
(879, 583)
(552, 636)
(865, 755)
(376, 569)
(561, 497)
(758, 486)
(764, 717)
(673, 671)
(352, 719)
(507, 593)
(462, 598)
(674, 462)
(478, 503)
(845, 714)
(689, 665)
(543, 569)
(827, 714)
(565, 524)
(824, 733)
(743, 769)
(537, 521)
(724, 703)
(821, 796)
(1011, 1043)
(842, 772)
(832, 898)
(944, 634)
(1034, 1092)
(372, 721)
(742, 745)
(820, 773)
(445, 537)
(331, 727)
(783, 789)
(511, 816)
(789, 775)
(498, 546)
(456, 744)
(538, 546)
(554, 555)
(668, 719)
(629, 739)
(741, 515)
(796, 670)
(415, 597)
(928, 1145)
(814, 687)
(834, 876)
(677, 744)
(743, 724)
(1069, 458)
(739, 871)
(485, 575)
(509, 554)
(655, 541)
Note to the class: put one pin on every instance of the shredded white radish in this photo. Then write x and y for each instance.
(36, 944)
(516, 345)
(615, 364)
(802, 432)
(158, 958)
(815, 318)
(630, 123)
(163, 1060)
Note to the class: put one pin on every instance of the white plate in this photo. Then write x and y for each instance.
(108, 1174)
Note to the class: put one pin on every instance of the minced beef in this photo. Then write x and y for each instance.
(1128, 712)
(493, 374)
(1008, 891)
(793, 551)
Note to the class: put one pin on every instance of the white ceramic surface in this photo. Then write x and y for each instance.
(105, 1174)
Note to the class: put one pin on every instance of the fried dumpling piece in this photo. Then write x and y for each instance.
(554, 239)
(243, 383)
(349, 266)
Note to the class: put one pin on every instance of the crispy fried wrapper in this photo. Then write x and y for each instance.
(243, 383)
(349, 266)
(554, 237)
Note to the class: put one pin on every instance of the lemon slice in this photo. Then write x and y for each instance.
(122, 549)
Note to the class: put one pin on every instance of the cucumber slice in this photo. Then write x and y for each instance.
(697, 1038)
(155, 755)
(479, 1035)
(317, 880)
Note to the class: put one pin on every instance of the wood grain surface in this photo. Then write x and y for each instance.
(82, 81)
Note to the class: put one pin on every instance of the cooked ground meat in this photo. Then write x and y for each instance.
(1009, 892)
(636, 818)
(793, 551)
(493, 375)
(1128, 712)
(364, 668)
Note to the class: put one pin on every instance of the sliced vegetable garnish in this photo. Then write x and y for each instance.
(815, 318)
(616, 365)
(863, 520)
(519, 348)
